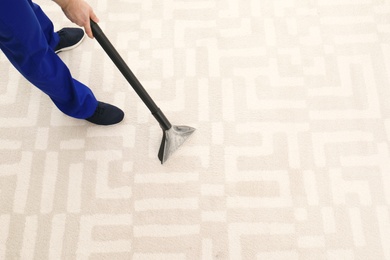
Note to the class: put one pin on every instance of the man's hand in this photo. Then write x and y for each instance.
(79, 12)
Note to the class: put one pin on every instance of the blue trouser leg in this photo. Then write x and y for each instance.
(27, 39)
(47, 27)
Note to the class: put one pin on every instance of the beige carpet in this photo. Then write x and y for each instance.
(291, 159)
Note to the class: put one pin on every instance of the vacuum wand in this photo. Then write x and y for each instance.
(173, 136)
(129, 75)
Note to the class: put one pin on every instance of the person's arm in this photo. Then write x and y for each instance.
(79, 12)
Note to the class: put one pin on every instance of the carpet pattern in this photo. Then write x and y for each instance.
(290, 159)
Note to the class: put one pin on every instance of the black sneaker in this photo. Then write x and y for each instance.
(106, 114)
(69, 38)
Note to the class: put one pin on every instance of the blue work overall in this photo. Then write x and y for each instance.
(28, 40)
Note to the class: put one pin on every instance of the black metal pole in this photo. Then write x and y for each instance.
(129, 75)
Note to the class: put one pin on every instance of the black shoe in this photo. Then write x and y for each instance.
(69, 38)
(106, 114)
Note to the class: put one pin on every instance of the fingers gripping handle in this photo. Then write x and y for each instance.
(128, 74)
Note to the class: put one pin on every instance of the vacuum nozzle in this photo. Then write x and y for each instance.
(173, 138)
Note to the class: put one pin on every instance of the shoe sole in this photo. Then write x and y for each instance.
(70, 47)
